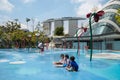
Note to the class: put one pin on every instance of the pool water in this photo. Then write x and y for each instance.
(21, 64)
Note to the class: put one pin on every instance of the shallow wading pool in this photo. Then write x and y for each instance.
(21, 64)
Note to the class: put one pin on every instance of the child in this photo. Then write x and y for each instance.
(66, 61)
(61, 61)
(73, 65)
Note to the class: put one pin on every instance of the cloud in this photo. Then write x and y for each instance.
(28, 1)
(3, 19)
(23, 26)
(5, 5)
(86, 6)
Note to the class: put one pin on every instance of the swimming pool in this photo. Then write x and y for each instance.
(19, 64)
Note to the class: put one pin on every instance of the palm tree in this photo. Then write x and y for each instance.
(37, 27)
(27, 20)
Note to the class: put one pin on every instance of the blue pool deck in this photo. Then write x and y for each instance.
(19, 64)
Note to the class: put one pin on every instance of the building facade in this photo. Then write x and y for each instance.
(72, 25)
(106, 32)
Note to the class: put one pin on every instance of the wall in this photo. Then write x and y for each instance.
(116, 45)
(47, 28)
(100, 45)
(73, 24)
(58, 23)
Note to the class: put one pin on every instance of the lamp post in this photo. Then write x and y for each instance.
(27, 20)
(37, 35)
(29, 37)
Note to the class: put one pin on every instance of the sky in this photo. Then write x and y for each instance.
(40, 10)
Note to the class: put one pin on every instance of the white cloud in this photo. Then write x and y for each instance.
(5, 5)
(86, 6)
(24, 26)
(4, 19)
(28, 1)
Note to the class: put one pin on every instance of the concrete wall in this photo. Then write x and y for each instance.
(58, 23)
(72, 27)
(47, 28)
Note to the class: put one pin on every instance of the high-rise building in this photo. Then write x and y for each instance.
(59, 22)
